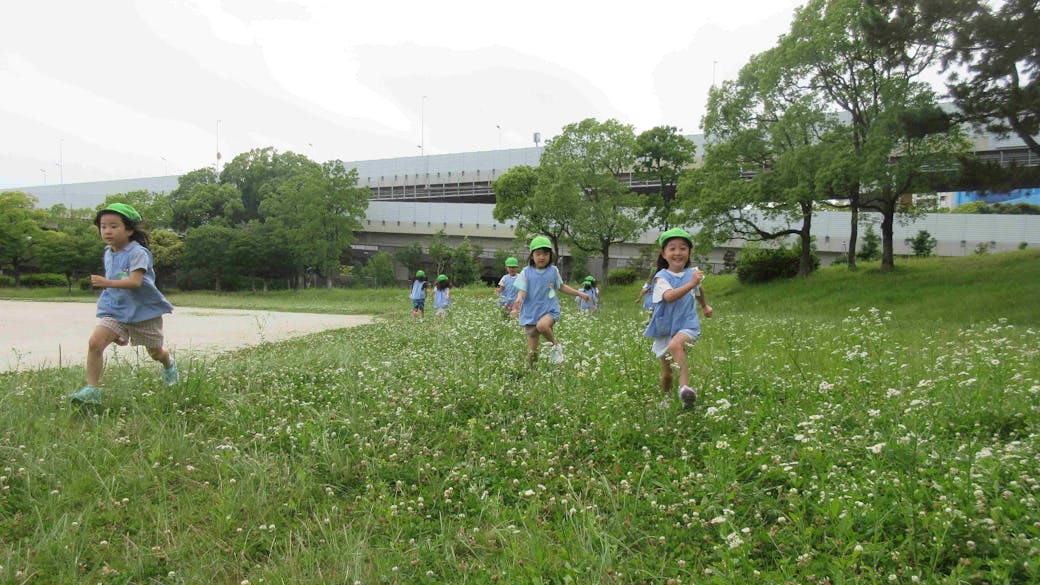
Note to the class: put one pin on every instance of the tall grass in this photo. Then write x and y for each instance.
(840, 444)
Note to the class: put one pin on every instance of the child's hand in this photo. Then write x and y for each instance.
(584, 297)
(98, 281)
(708, 311)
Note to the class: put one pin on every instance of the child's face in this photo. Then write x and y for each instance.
(541, 257)
(113, 231)
(676, 253)
(511, 270)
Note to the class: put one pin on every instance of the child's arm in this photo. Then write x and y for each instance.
(673, 294)
(519, 302)
(135, 280)
(704, 305)
(571, 291)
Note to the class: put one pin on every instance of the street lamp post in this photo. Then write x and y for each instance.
(217, 165)
(499, 126)
(44, 171)
(166, 166)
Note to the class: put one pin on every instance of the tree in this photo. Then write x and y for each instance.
(770, 141)
(440, 252)
(207, 203)
(662, 154)
(153, 207)
(207, 256)
(871, 249)
(526, 195)
(166, 248)
(74, 249)
(319, 209)
(830, 48)
(923, 244)
(410, 257)
(380, 270)
(19, 229)
(465, 263)
(989, 52)
(584, 162)
(260, 172)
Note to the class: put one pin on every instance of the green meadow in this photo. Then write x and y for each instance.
(850, 428)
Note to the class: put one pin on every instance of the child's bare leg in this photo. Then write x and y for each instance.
(161, 355)
(545, 327)
(532, 348)
(99, 340)
(666, 377)
(677, 347)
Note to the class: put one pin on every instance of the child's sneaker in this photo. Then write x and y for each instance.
(86, 395)
(556, 354)
(688, 396)
(170, 375)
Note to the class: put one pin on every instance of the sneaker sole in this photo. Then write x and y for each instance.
(689, 399)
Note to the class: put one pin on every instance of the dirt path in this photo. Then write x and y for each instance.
(39, 335)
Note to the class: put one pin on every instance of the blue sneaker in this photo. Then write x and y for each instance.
(87, 395)
(170, 375)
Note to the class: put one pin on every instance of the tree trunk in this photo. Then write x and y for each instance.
(888, 214)
(328, 282)
(805, 236)
(266, 288)
(853, 230)
(605, 265)
(217, 285)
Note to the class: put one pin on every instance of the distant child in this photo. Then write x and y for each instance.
(537, 303)
(418, 295)
(130, 308)
(674, 323)
(644, 295)
(506, 289)
(589, 288)
(442, 296)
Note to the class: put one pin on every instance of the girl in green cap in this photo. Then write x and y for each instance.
(442, 295)
(418, 295)
(589, 287)
(674, 323)
(130, 308)
(537, 305)
(506, 289)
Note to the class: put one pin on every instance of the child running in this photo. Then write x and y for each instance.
(674, 323)
(442, 296)
(537, 303)
(418, 295)
(589, 288)
(130, 307)
(506, 289)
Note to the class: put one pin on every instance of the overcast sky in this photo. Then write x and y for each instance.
(121, 89)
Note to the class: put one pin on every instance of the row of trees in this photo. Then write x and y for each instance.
(833, 115)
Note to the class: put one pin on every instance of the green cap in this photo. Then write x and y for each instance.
(674, 233)
(590, 279)
(123, 209)
(511, 262)
(540, 242)
(419, 274)
(442, 277)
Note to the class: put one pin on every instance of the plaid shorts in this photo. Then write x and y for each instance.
(147, 333)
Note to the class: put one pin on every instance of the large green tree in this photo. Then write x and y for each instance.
(19, 230)
(205, 203)
(662, 154)
(585, 161)
(260, 172)
(527, 196)
(769, 139)
(829, 50)
(319, 209)
(153, 207)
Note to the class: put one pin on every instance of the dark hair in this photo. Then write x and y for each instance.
(140, 236)
(662, 263)
(552, 257)
(420, 278)
(443, 284)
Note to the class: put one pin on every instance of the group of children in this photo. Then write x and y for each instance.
(130, 307)
(671, 295)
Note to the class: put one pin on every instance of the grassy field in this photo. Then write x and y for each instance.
(852, 428)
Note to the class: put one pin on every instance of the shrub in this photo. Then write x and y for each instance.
(769, 264)
(871, 248)
(84, 283)
(622, 276)
(922, 244)
(6, 281)
(43, 279)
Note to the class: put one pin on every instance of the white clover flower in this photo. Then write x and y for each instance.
(876, 448)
